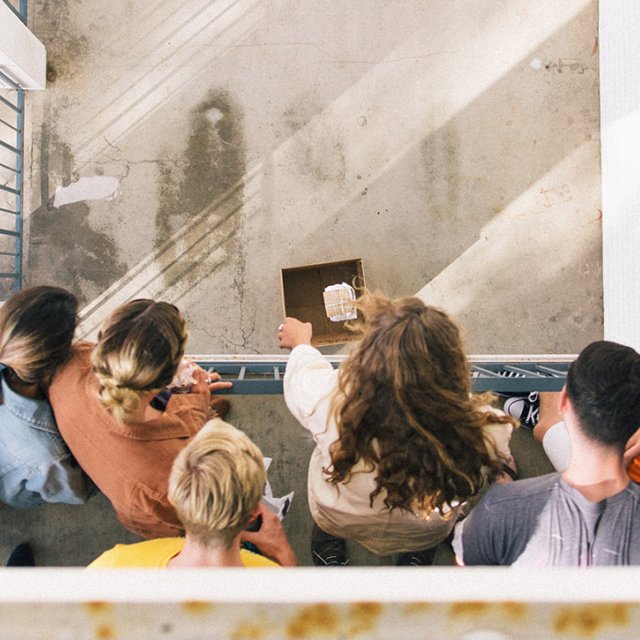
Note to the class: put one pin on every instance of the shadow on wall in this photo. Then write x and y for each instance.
(64, 249)
(213, 170)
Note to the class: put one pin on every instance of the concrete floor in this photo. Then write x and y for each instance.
(64, 535)
(189, 151)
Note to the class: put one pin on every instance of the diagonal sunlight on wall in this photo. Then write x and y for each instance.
(170, 57)
(496, 264)
(162, 273)
(400, 101)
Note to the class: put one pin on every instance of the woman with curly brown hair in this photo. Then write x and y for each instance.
(401, 444)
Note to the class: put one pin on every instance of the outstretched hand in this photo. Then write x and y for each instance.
(207, 383)
(271, 538)
(292, 332)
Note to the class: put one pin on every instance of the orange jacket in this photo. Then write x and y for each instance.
(634, 470)
(130, 463)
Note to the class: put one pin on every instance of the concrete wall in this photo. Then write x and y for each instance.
(191, 150)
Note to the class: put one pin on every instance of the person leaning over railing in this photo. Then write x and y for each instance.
(588, 514)
(401, 444)
(215, 486)
(551, 432)
(36, 329)
(102, 399)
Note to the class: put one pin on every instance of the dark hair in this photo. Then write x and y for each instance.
(603, 385)
(404, 406)
(36, 330)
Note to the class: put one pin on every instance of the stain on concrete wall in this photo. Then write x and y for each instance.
(206, 181)
(68, 44)
(65, 249)
(212, 163)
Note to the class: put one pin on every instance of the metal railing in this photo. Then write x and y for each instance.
(11, 184)
(19, 7)
(262, 375)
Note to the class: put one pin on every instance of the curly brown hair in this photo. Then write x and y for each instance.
(403, 405)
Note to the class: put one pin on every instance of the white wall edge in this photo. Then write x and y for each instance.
(22, 56)
(313, 585)
(620, 128)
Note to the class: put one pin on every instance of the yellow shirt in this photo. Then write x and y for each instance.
(155, 554)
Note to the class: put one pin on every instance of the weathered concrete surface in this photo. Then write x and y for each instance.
(452, 146)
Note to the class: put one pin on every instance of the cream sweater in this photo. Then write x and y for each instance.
(344, 510)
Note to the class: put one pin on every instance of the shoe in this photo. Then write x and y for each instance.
(21, 556)
(526, 409)
(220, 406)
(509, 374)
(327, 550)
(422, 558)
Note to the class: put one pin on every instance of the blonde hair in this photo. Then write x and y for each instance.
(216, 484)
(36, 330)
(139, 348)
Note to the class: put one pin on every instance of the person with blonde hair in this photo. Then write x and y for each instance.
(36, 330)
(103, 402)
(215, 486)
(401, 444)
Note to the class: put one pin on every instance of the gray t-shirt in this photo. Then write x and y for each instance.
(545, 522)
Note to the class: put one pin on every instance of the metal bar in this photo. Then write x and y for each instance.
(8, 211)
(7, 232)
(17, 283)
(523, 371)
(9, 147)
(262, 375)
(9, 190)
(21, 12)
(7, 253)
(4, 101)
(486, 372)
(12, 83)
(4, 166)
(7, 124)
(552, 372)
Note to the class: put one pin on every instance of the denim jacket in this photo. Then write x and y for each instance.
(35, 464)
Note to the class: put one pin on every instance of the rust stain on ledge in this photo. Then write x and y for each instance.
(251, 631)
(314, 620)
(105, 632)
(585, 621)
(98, 607)
(469, 609)
(197, 607)
(363, 617)
(416, 608)
(515, 610)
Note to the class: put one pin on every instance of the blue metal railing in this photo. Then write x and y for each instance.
(11, 184)
(262, 375)
(19, 7)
